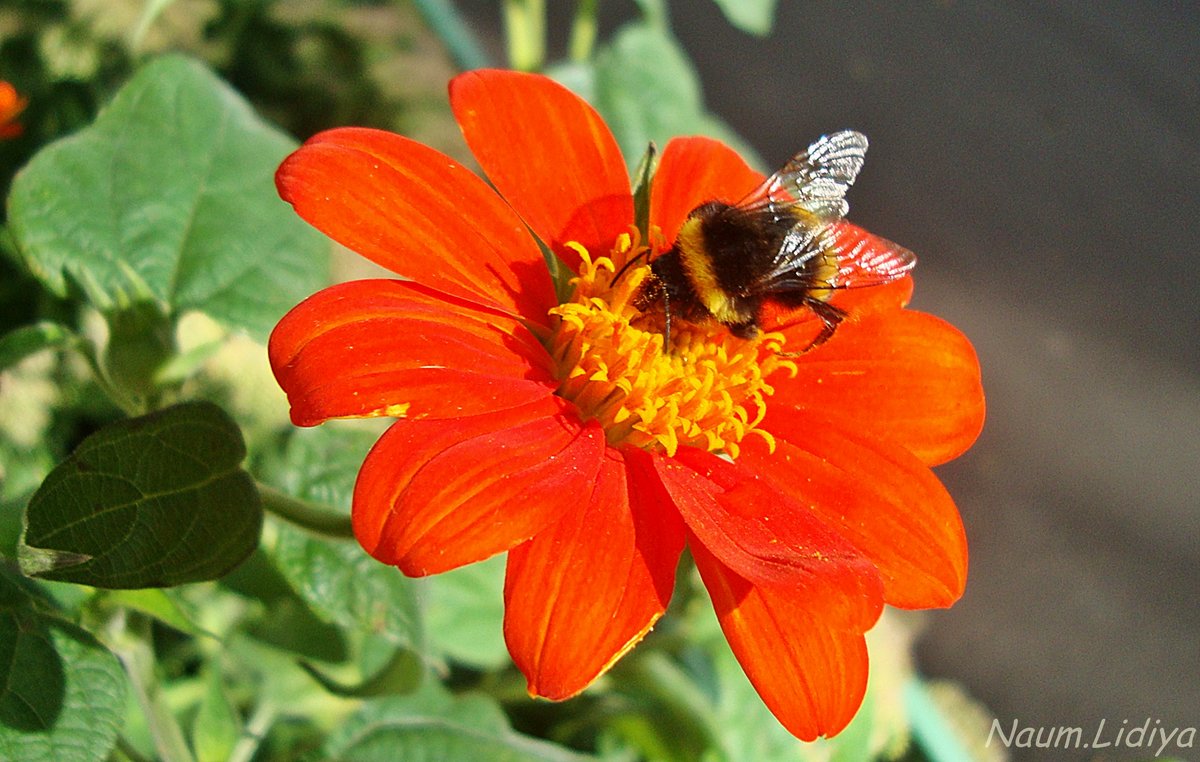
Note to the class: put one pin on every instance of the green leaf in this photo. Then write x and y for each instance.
(337, 578)
(286, 620)
(321, 464)
(431, 724)
(147, 502)
(648, 91)
(26, 340)
(157, 604)
(62, 694)
(169, 197)
(401, 674)
(347, 587)
(217, 726)
(752, 16)
(464, 613)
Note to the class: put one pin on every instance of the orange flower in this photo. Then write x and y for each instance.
(562, 433)
(11, 105)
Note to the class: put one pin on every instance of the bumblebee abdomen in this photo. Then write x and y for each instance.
(724, 256)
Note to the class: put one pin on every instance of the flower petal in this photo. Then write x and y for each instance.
(693, 171)
(435, 495)
(896, 375)
(418, 213)
(771, 540)
(549, 154)
(387, 347)
(584, 591)
(879, 497)
(811, 676)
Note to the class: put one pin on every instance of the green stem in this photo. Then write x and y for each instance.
(445, 22)
(932, 732)
(314, 518)
(256, 729)
(525, 27)
(583, 31)
(132, 647)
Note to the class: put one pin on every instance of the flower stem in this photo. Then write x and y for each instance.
(256, 729)
(130, 641)
(302, 513)
(446, 23)
(583, 31)
(525, 27)
(932, 732)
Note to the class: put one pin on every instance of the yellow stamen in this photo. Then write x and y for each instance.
(709, 391)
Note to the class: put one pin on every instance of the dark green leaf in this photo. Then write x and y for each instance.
(753, 16)
(148, 502)
(26, 340)
(169, 197)
(433, 725)
(62, 694)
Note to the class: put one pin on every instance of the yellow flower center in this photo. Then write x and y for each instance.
(709, 391)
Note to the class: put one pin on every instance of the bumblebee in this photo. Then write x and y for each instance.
(785, 246)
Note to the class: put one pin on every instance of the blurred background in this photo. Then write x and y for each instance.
(1043, 160)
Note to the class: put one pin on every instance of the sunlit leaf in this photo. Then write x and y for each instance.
(464, 613)
(147, 502)
(169, 197)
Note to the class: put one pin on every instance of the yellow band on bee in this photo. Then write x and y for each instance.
(698, 264)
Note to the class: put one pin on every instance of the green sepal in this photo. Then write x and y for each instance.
(643, 176)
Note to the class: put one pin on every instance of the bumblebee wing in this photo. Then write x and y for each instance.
(815, 180)
(865, 259)
(862, 258)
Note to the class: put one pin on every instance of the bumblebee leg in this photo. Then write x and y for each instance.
(830, 315)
